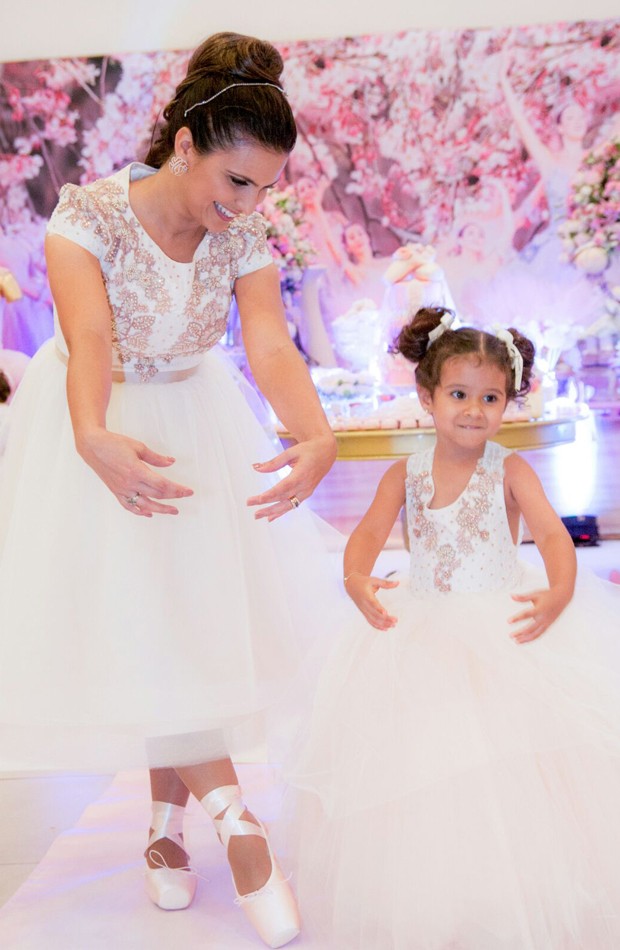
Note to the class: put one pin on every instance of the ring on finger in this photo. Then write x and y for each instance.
(295, 502)
(133, 499)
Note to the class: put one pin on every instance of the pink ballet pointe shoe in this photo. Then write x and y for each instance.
(272, 910)
(168, 888)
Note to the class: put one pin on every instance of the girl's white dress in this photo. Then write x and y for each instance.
(177, 631)
(458, 791)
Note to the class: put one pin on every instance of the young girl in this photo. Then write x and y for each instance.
(461, 779)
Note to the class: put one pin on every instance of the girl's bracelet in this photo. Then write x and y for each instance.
(350, 574)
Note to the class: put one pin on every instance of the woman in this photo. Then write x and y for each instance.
(556, 166)
(174, 631)
(478, 247)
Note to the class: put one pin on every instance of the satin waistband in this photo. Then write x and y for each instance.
(129, 376)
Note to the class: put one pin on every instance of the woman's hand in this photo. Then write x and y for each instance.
(362, 589)
(547, 605)
(310, 461)
(122, 464)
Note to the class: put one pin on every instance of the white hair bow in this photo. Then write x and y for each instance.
(516, 360)
(445, 323)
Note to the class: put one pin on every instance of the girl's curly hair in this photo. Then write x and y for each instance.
(413, 343)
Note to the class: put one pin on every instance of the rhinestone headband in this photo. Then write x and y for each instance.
(233, 85)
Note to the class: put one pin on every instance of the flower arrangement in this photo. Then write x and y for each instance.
(592, 231)
(288, 237)
(344, 384)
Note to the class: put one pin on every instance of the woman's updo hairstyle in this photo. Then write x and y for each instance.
(413, 343)
(257, 113)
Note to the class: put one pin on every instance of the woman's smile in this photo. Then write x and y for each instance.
(224, 213)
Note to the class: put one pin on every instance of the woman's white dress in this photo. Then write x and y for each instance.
(457, 791)
(178, 631)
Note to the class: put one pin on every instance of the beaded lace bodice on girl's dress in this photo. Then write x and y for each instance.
(466, 546)
(165, 313)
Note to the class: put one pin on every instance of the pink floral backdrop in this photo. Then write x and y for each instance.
(476, 142)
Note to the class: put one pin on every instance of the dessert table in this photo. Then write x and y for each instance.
(366, 444)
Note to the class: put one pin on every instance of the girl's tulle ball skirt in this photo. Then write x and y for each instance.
(119, 633)
(457, 791)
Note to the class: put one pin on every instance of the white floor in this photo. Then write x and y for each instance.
(87, 893)
(61, 874)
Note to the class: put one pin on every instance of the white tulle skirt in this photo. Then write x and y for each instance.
(457, 791)
(176, 633)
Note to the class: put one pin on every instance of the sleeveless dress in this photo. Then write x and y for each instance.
(177, 631)
(457, 791)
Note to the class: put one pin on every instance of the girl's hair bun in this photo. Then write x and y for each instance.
(412, 340)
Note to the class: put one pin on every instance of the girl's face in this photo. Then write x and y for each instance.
(224, 184)
(468, 403)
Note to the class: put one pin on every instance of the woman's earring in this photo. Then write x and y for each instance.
(178, 166)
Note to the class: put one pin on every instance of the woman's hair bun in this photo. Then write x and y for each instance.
(237, 57)
(228, 97)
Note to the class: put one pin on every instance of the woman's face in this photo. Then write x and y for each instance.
(224, 184)
(572, 122)
(306, 191)
(356, 240)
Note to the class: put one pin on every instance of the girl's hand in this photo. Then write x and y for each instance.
(122, 464)
(547, 605)
(310, 461)
(362, 589)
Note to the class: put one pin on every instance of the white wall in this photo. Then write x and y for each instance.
(45, 28)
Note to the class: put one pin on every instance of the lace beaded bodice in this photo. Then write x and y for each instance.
(466, 546)
(165, 314)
